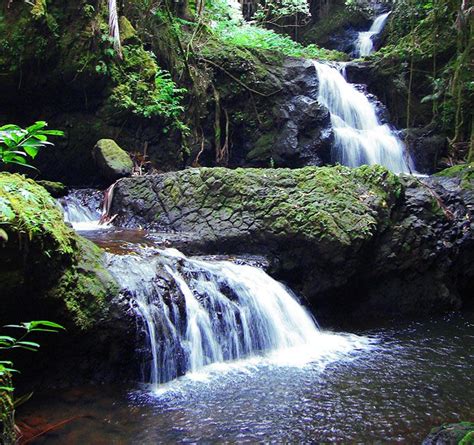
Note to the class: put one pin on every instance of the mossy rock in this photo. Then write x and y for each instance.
(47, 271)
(263, 148)
(128, 34)
(112, 161)
(461, 433)
(327, 205)
(55, 189)
(463, 171)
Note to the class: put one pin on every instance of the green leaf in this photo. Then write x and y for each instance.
(7, 339)
(31, 150)
(36, 126)
(9, 127)
(40, 324)
(53, 132)
(3, 235)
(30, 344)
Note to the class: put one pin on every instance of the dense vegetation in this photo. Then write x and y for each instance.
(205, 83)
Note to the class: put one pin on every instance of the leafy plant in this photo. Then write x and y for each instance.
(8, 343)
(136, 93)
(255, 37)
(270, 11)
(18, 144)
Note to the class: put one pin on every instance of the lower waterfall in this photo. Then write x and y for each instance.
(359, 136)
(202, 312)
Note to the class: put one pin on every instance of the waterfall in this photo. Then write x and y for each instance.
(200, 312)
(364, 44)
(85, 209)
(359, 136)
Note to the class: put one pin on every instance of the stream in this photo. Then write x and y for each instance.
(414, 376)
(306, 384)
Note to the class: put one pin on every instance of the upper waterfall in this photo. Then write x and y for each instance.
(217, 311)
(359, 136)
(365, 44)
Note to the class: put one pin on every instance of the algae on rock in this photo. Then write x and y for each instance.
(112, 161)
(45, 265)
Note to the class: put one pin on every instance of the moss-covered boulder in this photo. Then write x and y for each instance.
(47, 270)
(111, 160)
(55, 189)
(334, 206)
(354, 241)
(463, 171)
(461, 433)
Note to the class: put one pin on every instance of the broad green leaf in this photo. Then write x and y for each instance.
(40, 324)
(31, 150)
(36, 126)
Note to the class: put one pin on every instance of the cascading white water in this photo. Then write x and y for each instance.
(218, 311)
(365, 44)
(82, 209)
(359, 136)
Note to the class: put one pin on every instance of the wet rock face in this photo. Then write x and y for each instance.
(284, 126)
(304, 135)
(354, 241)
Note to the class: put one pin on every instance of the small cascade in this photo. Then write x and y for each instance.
(365, 44)
(359, 136)
(200, 312)
(87, 209)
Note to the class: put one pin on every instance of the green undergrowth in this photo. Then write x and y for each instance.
(221, 29)
(429, 49)
(257, 38)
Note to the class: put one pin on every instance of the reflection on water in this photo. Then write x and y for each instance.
(417, 376)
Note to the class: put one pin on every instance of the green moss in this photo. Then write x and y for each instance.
(263, 148)
(338, 204)
(45, 264)
(85, 286)
(337, 20)
(28, 211)
(112, 158)
(55, 189)
(127, 32)
(463, 171)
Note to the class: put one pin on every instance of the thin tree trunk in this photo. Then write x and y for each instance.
(114, 28)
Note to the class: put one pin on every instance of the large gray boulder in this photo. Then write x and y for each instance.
(112, 161)
(356, 242)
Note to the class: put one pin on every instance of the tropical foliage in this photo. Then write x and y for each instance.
(18, 145)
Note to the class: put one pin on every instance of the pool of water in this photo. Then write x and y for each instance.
(413, 377)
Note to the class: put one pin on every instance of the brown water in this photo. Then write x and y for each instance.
(417, 375)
